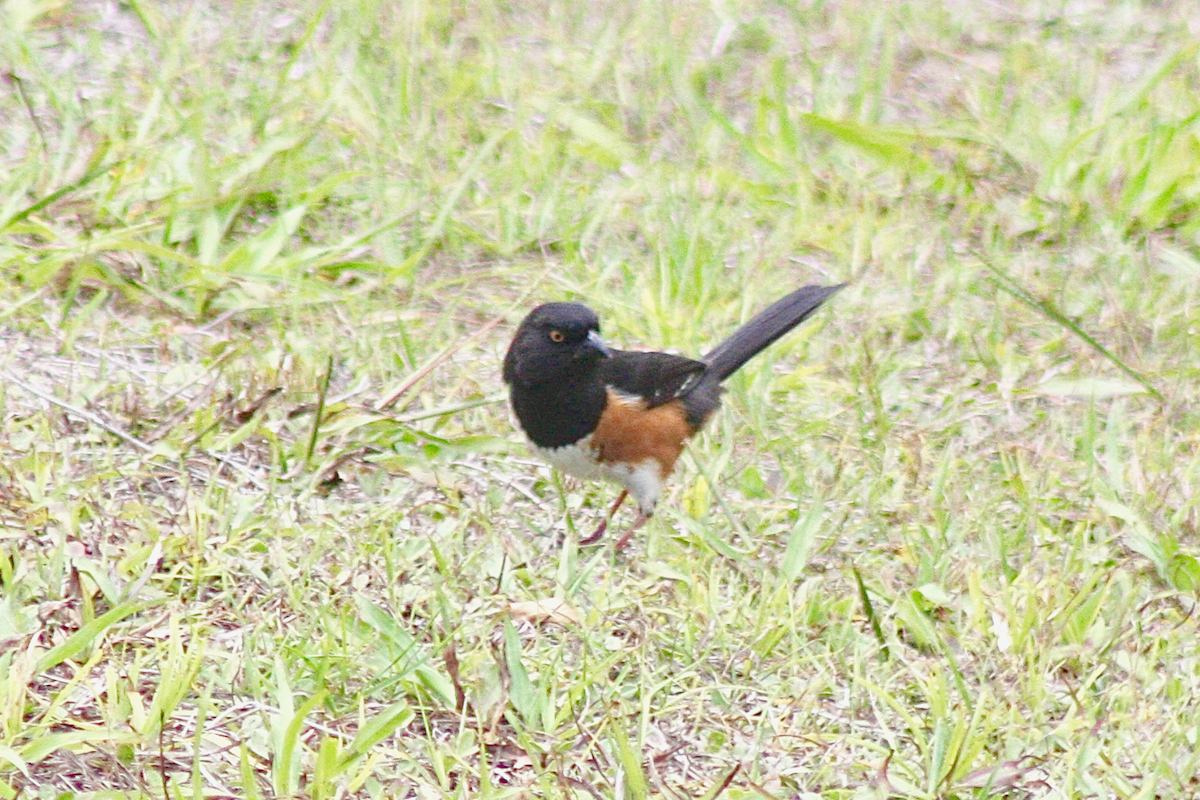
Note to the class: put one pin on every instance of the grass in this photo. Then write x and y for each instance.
(267, 530)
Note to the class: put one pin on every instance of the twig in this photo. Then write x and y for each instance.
(430, 365)
(133, 441)
(516, 487)
(76, 411)
(1005, 283)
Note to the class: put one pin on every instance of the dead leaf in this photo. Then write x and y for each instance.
(550, 609)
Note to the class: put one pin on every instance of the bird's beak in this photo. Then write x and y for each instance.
(597, 344)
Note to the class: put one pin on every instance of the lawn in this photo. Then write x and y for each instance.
(266, 526)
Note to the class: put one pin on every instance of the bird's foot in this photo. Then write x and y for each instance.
(599, 532)
(597, 535)
(625, 537)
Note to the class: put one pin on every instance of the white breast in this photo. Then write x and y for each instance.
(642, 480)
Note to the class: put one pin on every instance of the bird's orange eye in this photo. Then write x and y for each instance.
(558, 337)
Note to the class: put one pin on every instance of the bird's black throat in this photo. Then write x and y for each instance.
(559, 413)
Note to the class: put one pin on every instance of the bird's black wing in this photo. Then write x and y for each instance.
(656, 377)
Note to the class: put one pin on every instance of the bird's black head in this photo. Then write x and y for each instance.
(556, 342)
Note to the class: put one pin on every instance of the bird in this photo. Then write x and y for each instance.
(596, 412)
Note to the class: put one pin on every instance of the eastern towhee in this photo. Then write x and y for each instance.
(596, 412)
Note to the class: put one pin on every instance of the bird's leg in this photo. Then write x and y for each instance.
(637, 523)
(595, 537)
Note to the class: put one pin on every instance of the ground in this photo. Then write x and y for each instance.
(267, 530)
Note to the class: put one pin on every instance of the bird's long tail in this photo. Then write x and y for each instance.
(768, 325)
